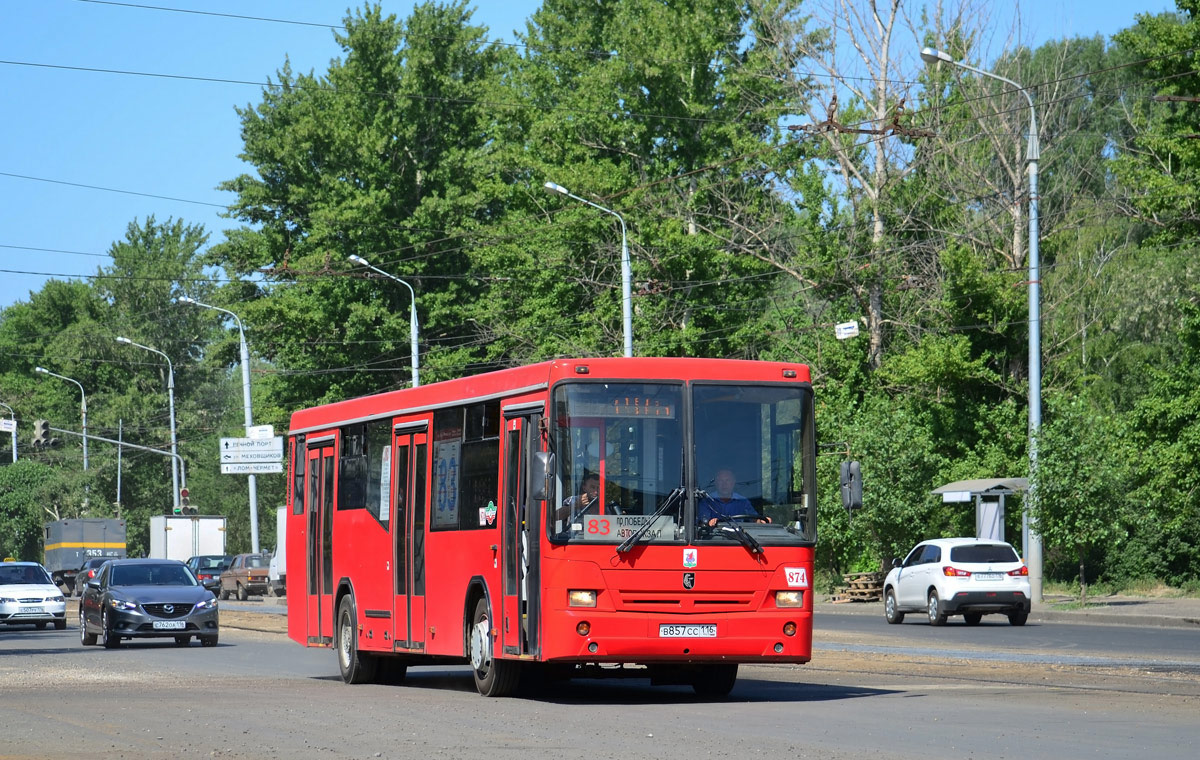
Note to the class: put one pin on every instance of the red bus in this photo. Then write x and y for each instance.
(574, 518)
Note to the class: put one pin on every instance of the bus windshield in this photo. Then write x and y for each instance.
(623, 456)
(755, 468)
(620, 452)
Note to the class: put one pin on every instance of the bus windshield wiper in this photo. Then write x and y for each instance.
(672, 498)
(729, 526)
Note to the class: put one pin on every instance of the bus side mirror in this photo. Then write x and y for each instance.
(541, 475)
(851, 486)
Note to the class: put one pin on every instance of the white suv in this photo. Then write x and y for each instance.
(971, 577)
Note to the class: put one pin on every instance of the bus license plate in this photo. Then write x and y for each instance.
(169, 625)
(693, 631)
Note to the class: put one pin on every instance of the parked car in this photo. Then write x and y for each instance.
(208, 568)
(29, 596)
(971, 577)
(87, 572)
(246, 575)
(144, 598)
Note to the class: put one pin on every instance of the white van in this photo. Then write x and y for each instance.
(277, 570)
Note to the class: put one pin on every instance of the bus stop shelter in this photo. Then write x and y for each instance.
(988, 495)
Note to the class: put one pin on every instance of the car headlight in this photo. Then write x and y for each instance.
(58, 598)
(121, 604)
(207, 604)
(7, 600)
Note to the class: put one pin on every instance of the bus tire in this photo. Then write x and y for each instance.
(355, 666)
(493, 678)
(714, 680)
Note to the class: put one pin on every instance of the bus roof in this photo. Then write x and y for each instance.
(520, 381)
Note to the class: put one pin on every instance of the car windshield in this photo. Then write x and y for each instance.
(258, 560)
(983, 553)
(151, 575)
(22, 575)
(212, 563)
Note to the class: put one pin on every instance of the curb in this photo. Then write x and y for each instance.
(1041, 614)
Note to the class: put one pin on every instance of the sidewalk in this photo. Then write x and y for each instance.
(1173, 612)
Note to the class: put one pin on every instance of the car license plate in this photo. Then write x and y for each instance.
(32, 608)
(691, 631)
(169, 625)
(989, 576)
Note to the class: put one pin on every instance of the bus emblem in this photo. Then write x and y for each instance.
(689, 557)
(689, 580)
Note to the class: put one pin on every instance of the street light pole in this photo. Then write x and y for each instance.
(626, 271)
(249, 423)
(175, 481)
(412, 315)
(82, 407)
(1032, 154)
(12, 414)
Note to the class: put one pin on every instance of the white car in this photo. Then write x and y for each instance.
(28, 596)
(971, 577)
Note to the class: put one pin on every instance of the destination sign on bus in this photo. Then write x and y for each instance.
(621, 527)
(624, 406)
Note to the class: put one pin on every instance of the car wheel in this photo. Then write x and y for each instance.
(209, 641)
(60, 625)
(936, 616)
(493, 678)
(972, 618)
(715, 680)
(182, 641)
(355, 666)
(108, 637)
(85, 638)
(40, 625)
(891, 610)
(1018, 618)
(224, 595)
(242, 594)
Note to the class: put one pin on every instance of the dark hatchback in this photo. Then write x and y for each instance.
(208, 568)
(147, 598)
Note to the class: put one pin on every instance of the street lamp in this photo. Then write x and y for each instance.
(175, 482)
(12, 414)
(252, 480)
(82, 407)
(1034, 551)
(626, 272)
(412, 315)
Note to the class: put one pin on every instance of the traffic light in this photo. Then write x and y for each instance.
(185, 507)
(41, 434)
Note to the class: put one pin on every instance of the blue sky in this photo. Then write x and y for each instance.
(86, 152)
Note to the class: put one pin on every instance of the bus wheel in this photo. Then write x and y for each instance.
(356, 667)
(493, 678)
(715, 680)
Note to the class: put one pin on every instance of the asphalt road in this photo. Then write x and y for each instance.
(872, 692)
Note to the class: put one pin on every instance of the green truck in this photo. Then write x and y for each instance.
(70, 543)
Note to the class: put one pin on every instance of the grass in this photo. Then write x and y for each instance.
(1144, 587)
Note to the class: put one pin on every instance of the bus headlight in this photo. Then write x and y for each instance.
(580, 598)
(789, 598)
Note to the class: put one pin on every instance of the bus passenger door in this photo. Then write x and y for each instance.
(519, 540)
(319, 543)
(408, 524)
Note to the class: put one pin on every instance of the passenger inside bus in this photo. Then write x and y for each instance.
(727, 503)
